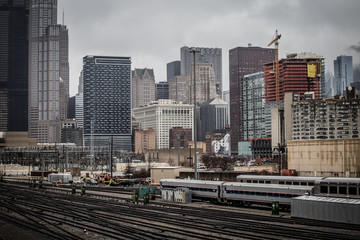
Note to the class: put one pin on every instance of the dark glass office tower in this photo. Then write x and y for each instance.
(242, 61)
(107, 101)
(14, 19)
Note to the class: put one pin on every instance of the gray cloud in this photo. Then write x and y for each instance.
(152, 32)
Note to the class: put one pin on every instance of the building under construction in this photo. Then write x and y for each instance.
(297, 73)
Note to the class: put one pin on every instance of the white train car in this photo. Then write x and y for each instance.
(63, 177)
(338, 187)
(247, 193)
(207, 190)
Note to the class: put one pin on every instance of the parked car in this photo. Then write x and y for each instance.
(77, 181)
(126, 182)
(91, 181)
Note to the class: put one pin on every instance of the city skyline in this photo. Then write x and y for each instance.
(327, 28)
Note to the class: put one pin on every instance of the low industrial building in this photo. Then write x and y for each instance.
(325, 158)
(158, 173)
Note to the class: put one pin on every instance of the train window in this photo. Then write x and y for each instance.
(288, 183)
(246, 193)
(282, 195)
(333, 189)
(268, 182)
(352, 191)
(281, 182)
(261, 181)
(276, 195)
(289, 195)
(270, 194)
(323, 189)
(295, 183)
(255, 181)
(310, 183)
(303, 183)
(248, 181)
(342, 190)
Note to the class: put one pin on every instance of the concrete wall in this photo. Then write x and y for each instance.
(325, 157)
(170, 172)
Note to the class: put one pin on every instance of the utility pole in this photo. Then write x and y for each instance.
(194, 51)
(111, 157)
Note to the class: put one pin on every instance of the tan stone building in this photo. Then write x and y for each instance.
(337, 157)
(144, 139)
(16, 139)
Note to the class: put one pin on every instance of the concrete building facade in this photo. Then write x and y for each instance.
(242, 61)
(163, 115)
(325, 158)
(48, 72)
(210, 55)
(205, 83)
(180, 137)
(142, 87)
(144, 139)
(179, 89)
(107, 101)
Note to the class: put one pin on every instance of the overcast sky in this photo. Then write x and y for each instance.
(152, 32)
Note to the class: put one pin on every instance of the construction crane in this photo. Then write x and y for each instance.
(275, 41)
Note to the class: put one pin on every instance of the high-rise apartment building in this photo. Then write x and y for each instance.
(205, 83)
(14, 20)
(144, 140)
(48, 72)
(343, 73)
(210, 55)
(142, 87)
(107, 101)
(179, 89)
(242, 61)
(253, 107)
(161, 90)
(295, 76)
(172, 69)
(79, 109)
(162, 116)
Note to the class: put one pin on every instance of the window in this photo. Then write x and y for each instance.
(352, 191)
(342, 190)
(323, 189)
(333, 189)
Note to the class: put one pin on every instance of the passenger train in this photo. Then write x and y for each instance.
(323, 186)
(238, 193)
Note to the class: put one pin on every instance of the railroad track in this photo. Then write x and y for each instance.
(117, 219)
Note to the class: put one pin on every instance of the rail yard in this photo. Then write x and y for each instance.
(109, 213)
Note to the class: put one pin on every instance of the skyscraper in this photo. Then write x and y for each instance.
(205, 82)
(210, 55)
(14, 20)
(161, 90)
(179, 89)
(142, 87)
(48, 72)
(107, 101)
(242, 61)
(173, 69)
(343, 73)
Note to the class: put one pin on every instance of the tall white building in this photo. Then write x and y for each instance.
(79, 109)
(163, 115)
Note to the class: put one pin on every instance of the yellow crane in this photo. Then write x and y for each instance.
(275, 41)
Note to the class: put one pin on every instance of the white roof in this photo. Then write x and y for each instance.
(267, 177)
(277, 186)
(328, 199)
(185, 181)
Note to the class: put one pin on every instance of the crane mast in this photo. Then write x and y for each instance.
(275, 41)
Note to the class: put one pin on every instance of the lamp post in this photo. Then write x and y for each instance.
(194, 51)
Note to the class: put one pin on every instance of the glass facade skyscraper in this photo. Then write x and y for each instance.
(343, 73)
(107, 101)
(14, 20)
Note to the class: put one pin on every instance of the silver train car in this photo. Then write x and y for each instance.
(238, 193)
(338, 187)
(284, 180)
(247, 193)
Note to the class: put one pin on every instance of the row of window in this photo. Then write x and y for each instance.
(342, 190)
(262, 194)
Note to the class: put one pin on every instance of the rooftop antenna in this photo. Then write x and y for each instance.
(63, 18)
